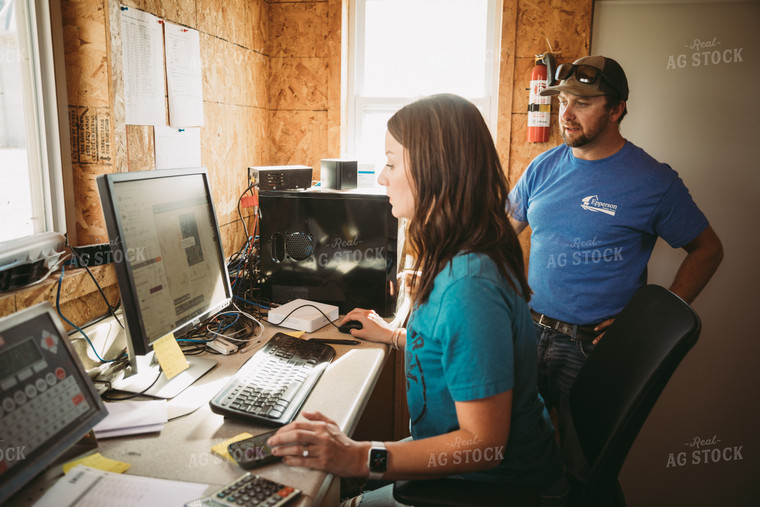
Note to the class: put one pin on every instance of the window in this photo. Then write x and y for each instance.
(31, 195)
(401, 50)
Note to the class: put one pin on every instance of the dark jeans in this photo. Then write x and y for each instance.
(560, 358)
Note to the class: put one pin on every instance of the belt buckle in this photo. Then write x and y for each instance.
(541, 321)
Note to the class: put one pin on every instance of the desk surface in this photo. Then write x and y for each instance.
(182, 450)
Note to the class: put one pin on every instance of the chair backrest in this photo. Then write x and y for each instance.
(620, 382)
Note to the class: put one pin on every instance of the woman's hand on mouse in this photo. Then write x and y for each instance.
(374, 327)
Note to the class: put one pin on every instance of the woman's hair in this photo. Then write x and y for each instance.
(460, 191)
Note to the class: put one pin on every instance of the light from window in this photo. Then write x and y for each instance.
(31, 174)
(402, 50)
(15, 187)
(418, 47)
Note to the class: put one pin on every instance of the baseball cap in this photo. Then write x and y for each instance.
(612, 80)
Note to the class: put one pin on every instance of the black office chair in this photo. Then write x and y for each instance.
(610, 400)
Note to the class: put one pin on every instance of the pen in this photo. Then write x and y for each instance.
(335, 341)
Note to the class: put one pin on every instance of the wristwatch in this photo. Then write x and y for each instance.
(377, 461)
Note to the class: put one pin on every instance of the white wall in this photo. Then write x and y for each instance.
(694, 72)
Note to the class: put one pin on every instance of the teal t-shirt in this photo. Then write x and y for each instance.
(473, 339)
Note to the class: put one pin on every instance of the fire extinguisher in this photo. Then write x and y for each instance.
(539, 108)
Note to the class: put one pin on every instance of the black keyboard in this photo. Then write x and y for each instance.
(274, 383)
(248, 490)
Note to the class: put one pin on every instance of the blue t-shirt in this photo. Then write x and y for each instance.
(473, 339)
(594, 224)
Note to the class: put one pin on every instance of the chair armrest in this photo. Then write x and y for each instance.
(463, 493)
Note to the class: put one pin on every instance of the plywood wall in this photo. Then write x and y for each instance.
(530, 27)
(271, 95)
(305, 63)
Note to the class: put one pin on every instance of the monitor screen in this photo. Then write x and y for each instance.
(166, 250)
(331, 247)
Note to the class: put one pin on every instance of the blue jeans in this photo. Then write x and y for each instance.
(383, 497)
(560, 358)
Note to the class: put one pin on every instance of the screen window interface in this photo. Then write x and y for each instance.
(169, 240)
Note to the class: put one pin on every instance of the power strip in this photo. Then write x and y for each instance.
(222, 346)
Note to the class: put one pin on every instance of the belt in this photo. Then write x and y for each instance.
(584, 333)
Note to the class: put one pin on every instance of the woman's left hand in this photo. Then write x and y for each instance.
(318, 443)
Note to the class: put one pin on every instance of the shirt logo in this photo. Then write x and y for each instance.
(592, 203)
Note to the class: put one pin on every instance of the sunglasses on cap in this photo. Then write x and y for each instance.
(586, 74)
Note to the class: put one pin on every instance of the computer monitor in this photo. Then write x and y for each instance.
(169, 262)
(329, 246)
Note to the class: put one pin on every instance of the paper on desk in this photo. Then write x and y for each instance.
(221, 447)
(99, 462)
(84, 486)
(131, 417)
(170, 356)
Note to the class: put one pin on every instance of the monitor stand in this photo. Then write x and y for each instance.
(148, 370)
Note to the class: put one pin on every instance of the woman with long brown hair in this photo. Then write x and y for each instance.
(470, 352)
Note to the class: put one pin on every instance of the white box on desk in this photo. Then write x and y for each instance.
(303, 317)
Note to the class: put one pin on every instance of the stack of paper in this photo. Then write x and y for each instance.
(132, 417)
(87, 486)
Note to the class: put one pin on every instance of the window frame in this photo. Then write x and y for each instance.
(358, 104)
(40, 37)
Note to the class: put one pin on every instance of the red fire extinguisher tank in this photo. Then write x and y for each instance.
(539, 108)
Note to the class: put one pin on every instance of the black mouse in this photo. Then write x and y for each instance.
(348, 326)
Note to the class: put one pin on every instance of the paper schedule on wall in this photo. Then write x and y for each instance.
(143, 62)
(177, 147)
(183, 76)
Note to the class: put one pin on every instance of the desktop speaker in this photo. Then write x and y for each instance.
(298, 246)
(338, 174)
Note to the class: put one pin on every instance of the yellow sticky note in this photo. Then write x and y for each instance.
(221, 448)
(295, 334)
(98, 461)
(170, 356)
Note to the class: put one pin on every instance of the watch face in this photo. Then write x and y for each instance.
(378, 460)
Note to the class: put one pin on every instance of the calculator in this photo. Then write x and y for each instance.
(248, 490)
(47, 401)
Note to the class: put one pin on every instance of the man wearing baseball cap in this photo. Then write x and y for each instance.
(596, 205)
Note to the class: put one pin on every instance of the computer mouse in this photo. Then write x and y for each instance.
(348, 326)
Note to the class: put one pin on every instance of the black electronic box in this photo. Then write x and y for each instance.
(280, 177)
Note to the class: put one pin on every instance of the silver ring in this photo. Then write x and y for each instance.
(305, 452)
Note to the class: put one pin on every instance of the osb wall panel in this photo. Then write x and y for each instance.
(335, 51)
(298, 83)
(182, 12)
(141, 155)
(566, 24)
(7, 304)
(90, 117)
(298, 137)
(304, 51)
(80, 302)
(299, 29)
(526, 27)
(85, 37)
(234, 78)
(233, 35)
(90, 225)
